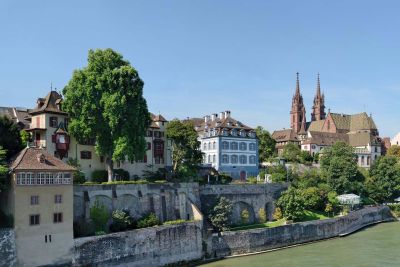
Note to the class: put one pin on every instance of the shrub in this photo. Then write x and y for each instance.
(6, 220)
(121, 221)
(83, 228)
(99, 216)
(99, 176)
(151, 176)
(262, 215)
(245, 215)
(225, 178)
(252, 180)
(79, 177)
(278, 177)
(277, 214)
(148, 221)
(121, 175)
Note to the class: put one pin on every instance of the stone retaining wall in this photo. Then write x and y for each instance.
(7, 248)
(255, 240)
(154, 246)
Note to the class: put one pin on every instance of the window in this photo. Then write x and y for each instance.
(57, 217)
(376, 149)
(42, 178)
(234, 146)
(209, 158)
(243, 159)
(148, 145)
(58, 199)
(205, 146)
(243, 146)
(362, 160)
(54, 122)
(86, 155)
(34, 200)
(209, 145)
(214, 158)
(252, 159)
(66, 178)
(49, 178)
(214, 145)
(252, 146)
(34, 219)
(368, 160)
(233, 132)
(234, 159)
(225, 158)
(149, 133)
(225, 145)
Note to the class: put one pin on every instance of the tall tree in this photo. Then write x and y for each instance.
(10, 136)
(266, 145)
(186, 154)
(3, 170)
(384, 181)
(394, 151)
(105, 101)
(338, 164)
(291, 152)
(221, 213)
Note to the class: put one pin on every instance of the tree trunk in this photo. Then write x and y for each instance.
(110, 170)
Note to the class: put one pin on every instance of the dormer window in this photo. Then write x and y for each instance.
(53, 122)
(41, 158)
(234, 132)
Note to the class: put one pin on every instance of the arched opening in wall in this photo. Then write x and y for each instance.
(242, 213)
(102, 200)
(130, 203)
(269, 210)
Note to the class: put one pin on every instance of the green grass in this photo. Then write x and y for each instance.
(259, 225)
(308, 216)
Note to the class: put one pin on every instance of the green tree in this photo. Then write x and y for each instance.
(105, 101)
(3, 170)
(384, 182)
(266, 144)
(99, 216)
(277, 214)
(220, 214)
(305, 157)
(10, 137)
(394, 151)
(339, 166)
(291, 152)
(186, 154)
(292, 204)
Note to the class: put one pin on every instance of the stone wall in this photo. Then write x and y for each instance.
(247, 241)
(154, 246)
(250, 197)
(7, 247)
(168, 201)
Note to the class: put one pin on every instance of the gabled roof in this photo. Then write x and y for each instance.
(353, 122)
(325, 139)
(218, 124)
(51, 104)
(159, 117)
(285, 135)
(28, 159)
(315, 126)
(18, 115)
(363, 139)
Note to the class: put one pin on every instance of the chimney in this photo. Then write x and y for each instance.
(214, 116)
(227, 114)
(206, 118)
(222, 115)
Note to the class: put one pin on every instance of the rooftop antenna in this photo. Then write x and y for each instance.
(51, 86)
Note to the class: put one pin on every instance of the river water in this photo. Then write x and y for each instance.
(376, 246)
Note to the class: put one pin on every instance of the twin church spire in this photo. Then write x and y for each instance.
(298, 111)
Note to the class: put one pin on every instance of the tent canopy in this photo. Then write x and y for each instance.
(351, 199)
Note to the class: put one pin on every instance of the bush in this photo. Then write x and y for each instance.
(121, 221)
(262, 215)
(225, 178)
(99, 216)
(148, 221)
(278, 177)
(277, 214)
(79, 177)
(151, 176)
(252, 180)
(99, 176)
(83, 228)
(245, 215)
(121, 175)
(395, 208)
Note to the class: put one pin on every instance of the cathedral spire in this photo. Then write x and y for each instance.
(318, 109)
(318, 87)
(297, 85)
(297, 113)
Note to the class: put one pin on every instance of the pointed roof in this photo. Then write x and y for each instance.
(28, 159)
(49, 104)
(297, 85)
(318, 93)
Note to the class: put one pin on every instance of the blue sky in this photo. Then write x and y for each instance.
(202, 57)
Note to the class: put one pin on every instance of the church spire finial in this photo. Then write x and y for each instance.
(318, 86)
(297, 84)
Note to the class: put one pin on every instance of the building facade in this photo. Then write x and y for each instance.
(323, 130)
(48, 125)
(228, 145)
(41, 202)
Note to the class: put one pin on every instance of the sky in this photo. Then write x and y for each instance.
(203, 57)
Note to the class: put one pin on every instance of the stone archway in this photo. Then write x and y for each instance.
(237, 209)
(269, 210)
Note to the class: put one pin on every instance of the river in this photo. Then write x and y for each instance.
(376, 246)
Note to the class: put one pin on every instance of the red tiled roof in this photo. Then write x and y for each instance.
(28, 159)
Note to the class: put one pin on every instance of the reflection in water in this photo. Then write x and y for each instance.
(374, 246)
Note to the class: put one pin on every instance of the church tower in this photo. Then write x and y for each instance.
(318, 109)
(298, 112)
